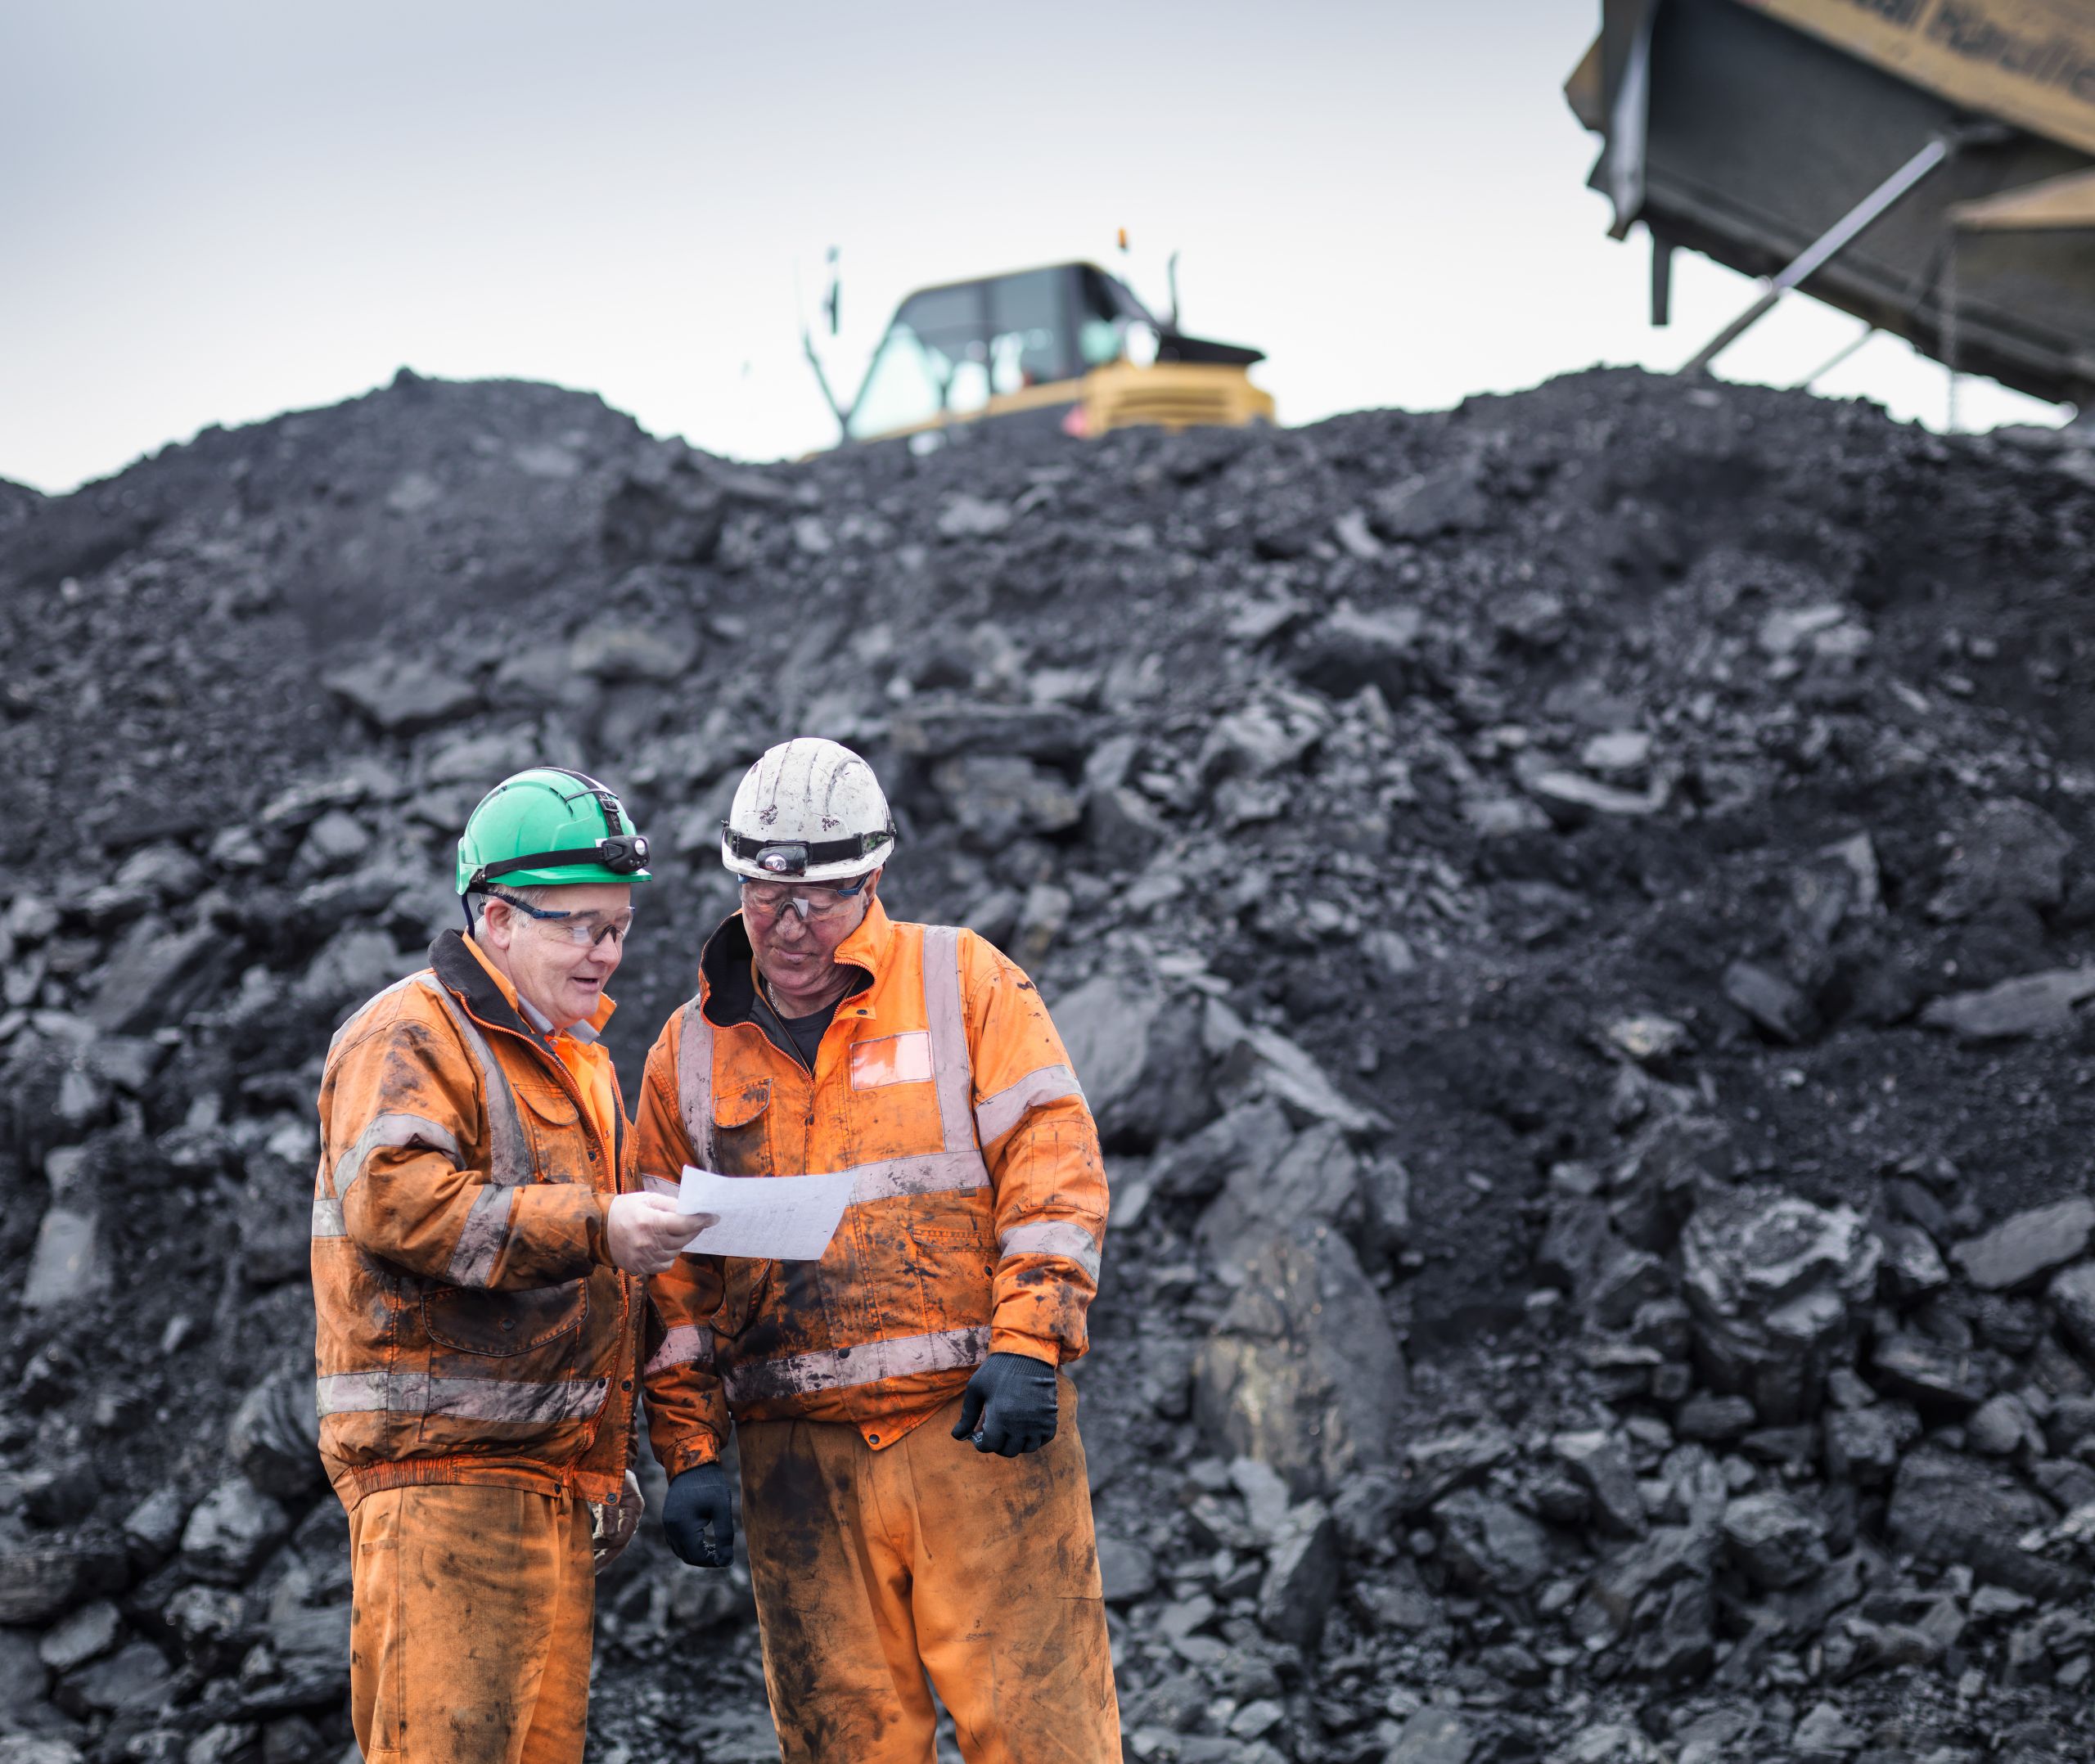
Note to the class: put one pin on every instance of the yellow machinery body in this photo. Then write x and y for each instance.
(1066, 346)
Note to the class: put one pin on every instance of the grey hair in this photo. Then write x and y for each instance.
(476, 903)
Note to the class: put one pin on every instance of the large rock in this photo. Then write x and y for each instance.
(1775, 1285)
(1134, 1051)
(939, 729)
(2022, 1248)
(155, 975)
(232, 1528)
(1254, 1137)
(1303, 1371)
(1863, 1446)
(67, 1267)
(275, 1436)
(45, 1578)
(1930, 1373)
(2009, 851)
(1433, 1735)
(1947, 1507)
(2031, 1004)
(133, 1681)
(1350, 649)
(1598, 1459)
(1491, 1544)
(1617, 1588)
(23, 1678)
(997, 797)
(400, 696)
(1302, 1577)
(1316, 1182)
(1775, 1540)
(1450, 498)
(2072, 1293)
(1255, 1061)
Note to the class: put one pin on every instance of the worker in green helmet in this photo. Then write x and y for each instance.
(479, 1251)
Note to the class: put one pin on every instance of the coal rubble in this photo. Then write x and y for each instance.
(1571, 914)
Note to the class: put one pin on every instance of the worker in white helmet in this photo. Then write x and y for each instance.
(913, 1484)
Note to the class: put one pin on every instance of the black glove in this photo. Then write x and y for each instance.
(698, 1499)
(1009, 1405)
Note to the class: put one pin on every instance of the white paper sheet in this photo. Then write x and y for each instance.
(780, 1218)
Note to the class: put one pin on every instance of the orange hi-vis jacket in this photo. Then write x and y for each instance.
(976, 1221)
(471, 1326)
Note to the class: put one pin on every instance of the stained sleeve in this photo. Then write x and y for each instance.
(686, 1409)
(399, 1107)
(1046, 1172)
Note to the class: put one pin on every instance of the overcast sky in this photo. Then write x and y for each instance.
(216, 211)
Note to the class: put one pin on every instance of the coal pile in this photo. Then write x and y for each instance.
(1576, 916)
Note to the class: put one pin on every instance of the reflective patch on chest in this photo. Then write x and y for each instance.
(892, 1060)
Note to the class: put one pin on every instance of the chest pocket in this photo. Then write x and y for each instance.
(741, 1130)
(554, 1123)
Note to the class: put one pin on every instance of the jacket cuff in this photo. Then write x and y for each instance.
(1003, 1340)
(689, 1454)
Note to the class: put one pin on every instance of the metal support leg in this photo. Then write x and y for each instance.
(1822, 251)
(1661, 279)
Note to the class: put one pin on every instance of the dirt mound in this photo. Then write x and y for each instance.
(1572, 914)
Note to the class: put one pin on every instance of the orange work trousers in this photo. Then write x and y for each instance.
(470, 1626)
(875, 1569)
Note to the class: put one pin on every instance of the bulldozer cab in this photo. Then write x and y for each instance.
(1039, 344)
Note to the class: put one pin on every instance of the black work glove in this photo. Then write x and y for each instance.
(696, 1500)
(1009, 1405)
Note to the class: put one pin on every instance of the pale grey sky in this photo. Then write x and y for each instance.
(214, 212)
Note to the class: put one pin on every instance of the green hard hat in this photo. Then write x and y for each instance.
(548, 828)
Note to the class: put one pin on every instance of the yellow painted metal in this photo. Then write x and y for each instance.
(1167, 394)
(1172, 395)
(2058, 205)
(2028, 62)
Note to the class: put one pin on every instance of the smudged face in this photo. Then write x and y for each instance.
(541, 957)
(796, 956)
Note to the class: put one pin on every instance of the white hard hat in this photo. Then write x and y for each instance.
(809, 810)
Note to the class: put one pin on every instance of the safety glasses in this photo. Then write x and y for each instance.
(765, 901)
(585, 930)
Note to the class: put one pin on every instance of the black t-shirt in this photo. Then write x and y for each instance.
(806, 1031)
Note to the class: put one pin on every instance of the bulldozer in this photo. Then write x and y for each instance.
(1063, 346)
(1926, 165)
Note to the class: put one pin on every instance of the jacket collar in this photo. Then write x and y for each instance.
(463, 967)
(727, 970)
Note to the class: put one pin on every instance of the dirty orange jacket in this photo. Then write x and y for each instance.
(471, 1326)
(976, 1219)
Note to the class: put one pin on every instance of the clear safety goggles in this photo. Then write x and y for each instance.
(585, 930)
(765, 901)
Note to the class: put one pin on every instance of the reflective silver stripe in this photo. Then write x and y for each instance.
(845, 1368)
(327, 1217)
(465, 1399)
(938, 1172)
(695, 1082)
(398, 1130)
(996, 1115)
(1053, 1237)
(483, 1237)
(335, 1040)
(945, 1016)
(687, 1344)
(509, 1157)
